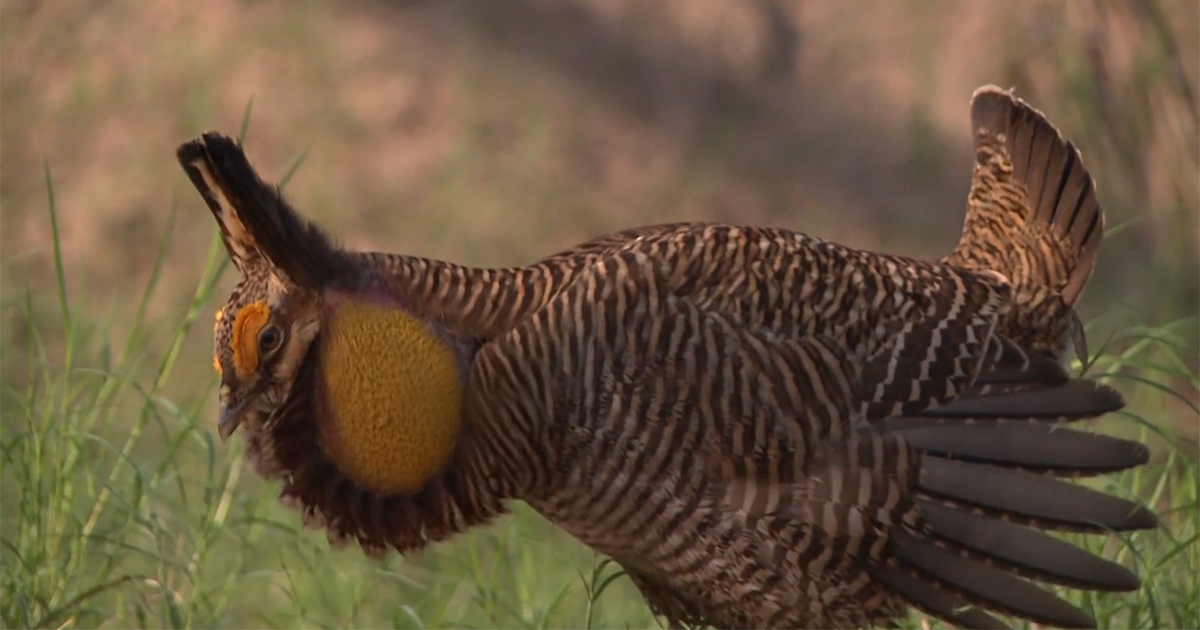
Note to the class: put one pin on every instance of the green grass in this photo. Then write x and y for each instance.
(121, 509)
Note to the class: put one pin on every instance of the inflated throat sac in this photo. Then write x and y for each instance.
(392, 397)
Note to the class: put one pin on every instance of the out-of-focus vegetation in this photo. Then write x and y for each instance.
(493, 133)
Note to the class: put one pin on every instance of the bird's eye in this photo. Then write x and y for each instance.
(269, 339)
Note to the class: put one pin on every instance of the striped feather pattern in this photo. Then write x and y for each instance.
(763, 428)
(484, 302)
(1032, 214)
(700, 447)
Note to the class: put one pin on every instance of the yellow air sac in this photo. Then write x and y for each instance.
(393, 397)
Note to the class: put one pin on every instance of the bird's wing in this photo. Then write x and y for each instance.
(929, 508)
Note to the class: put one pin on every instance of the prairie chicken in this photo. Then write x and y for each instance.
(764, 429)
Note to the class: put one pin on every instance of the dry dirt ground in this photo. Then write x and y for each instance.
(494, 132)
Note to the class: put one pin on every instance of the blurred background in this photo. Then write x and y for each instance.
(493, 133)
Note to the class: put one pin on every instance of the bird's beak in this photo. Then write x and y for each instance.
(230, 419)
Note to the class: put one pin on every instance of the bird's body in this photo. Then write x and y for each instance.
(630, 470)
(765, 429)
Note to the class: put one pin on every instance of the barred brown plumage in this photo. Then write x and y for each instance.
(763, 428)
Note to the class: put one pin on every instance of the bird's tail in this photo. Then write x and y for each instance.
(1032, 215)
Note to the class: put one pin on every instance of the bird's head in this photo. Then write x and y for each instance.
(339, 389)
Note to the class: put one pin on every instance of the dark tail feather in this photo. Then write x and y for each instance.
(1033, 447)
(1014, 385)
(1076, 399)
(934, 600)
(1024, 497)
(1025, 551)
(985, 585)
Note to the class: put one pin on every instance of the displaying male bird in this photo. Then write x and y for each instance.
(763, 428)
